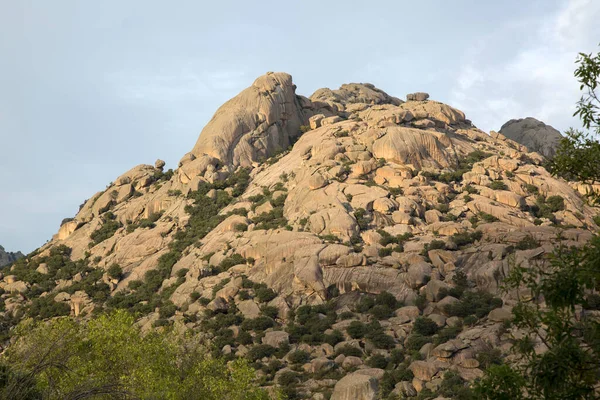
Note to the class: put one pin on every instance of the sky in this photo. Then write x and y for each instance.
(89, 89)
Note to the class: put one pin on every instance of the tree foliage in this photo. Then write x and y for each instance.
(109, 358)
(578, 153)
(554, 316)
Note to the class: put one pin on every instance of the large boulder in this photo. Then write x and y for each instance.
(534, 134)
(352, 93)
(259, 121)
(412, 146)
(356, 386)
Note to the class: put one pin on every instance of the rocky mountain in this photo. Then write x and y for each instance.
(534, 134)
(8, 257)
(350, 244)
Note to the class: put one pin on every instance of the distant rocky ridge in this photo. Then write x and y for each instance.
(534, 134)
(8, 257)
(295, 222)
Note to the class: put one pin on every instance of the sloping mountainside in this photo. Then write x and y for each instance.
(8, 257)
(349, 244)
(534, 134)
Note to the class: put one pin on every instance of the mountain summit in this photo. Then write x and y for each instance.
(8, 257)
(534, 134)
(321, 237)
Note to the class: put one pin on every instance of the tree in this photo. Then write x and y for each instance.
(578, 153)
(109, 358)
(559, 314)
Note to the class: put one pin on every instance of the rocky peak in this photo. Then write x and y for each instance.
(352, 93)
(534, 134)
(8, 257)
(261, 120)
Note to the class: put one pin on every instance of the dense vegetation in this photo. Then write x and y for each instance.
(107, 357)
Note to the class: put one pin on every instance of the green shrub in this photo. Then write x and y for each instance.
(455, 387)
(555, 203)
(387, 299)
(334, 337)
(260, 351)
(115, 271)
(531, 189)
(288, 378)
(272, 220)
(108, 228)
(447, 333)
(244, 295)
(488, 357)
(135, 284)
(421, 302)
(387, 238)
(381, 312)
(435, 245)
(487, 217)
(470, 189)
(356, 329)
(385, 251)
(360, 214)
(528, 242)
(476, 303)
(377, 361)
(462, 239)
(167, 310)
(203, 301)
(498, 185)
(443, 208)
(348, 350)
(270, 311)
(240, 227)
(414, 341)
(546, 207)
(265, 294)
(258, 324)
(195, 296)
(425, 326)
(377, 337)
(346, 315)
(232, 260)
(46, 307)
(299, 357)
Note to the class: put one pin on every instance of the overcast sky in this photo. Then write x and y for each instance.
(89, 89)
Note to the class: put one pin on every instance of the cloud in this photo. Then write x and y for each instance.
(535, 77)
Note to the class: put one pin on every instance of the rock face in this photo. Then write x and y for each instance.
(259, 121)
(534, 134)
(360, 193)
(356, 386)
(8, 257)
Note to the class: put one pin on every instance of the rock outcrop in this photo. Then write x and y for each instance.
(261, 120)
(8, 257)
(534, 134)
